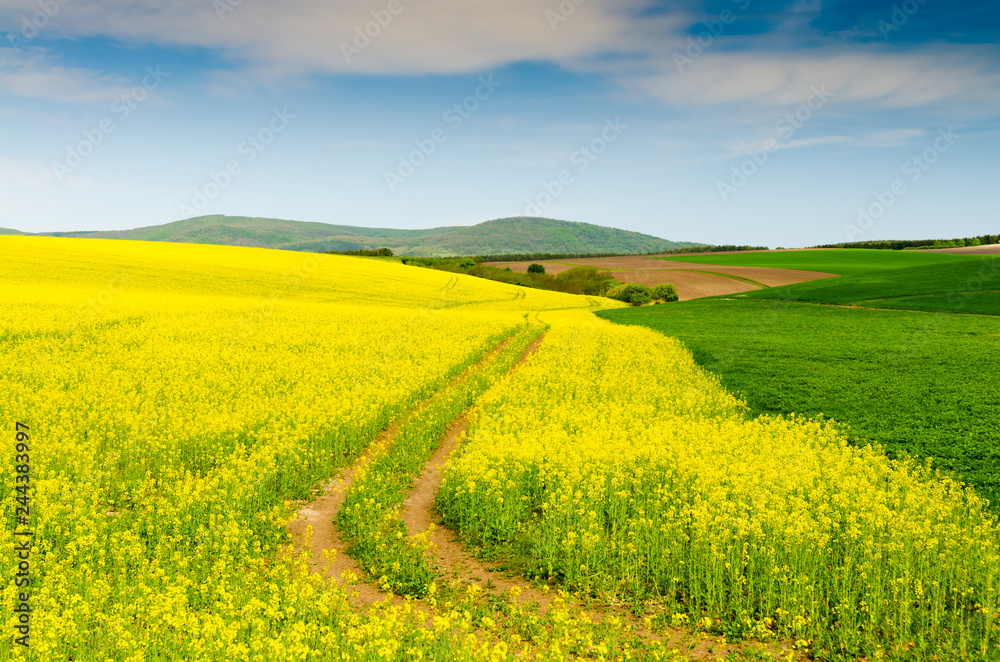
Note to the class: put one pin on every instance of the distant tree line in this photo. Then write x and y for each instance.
(902, 244)
(525, 257)
(365, 252)
(578, 280)
(725, 248)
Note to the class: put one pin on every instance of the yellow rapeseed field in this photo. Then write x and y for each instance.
(613, 462)
(179, 399)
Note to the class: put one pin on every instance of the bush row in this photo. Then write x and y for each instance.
(636, 294)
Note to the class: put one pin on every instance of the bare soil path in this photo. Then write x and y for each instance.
(316, 525)
(315, 529)
(451, 560)
(446, 552)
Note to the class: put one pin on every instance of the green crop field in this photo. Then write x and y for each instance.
(842, 261)
(916, 383)
(964, 286)
(912, 382)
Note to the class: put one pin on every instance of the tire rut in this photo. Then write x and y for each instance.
(314, 528)
(451, 560)
(315, 524)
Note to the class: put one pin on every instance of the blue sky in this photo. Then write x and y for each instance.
(727, 121)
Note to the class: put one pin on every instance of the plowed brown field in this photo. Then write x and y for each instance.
(691, 280)
(989, 249)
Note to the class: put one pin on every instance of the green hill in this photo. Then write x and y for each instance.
(500, 236)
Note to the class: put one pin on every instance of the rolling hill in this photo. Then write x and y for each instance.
(500, 236)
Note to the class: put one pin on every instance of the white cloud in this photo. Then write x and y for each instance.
(30, 72)
(298, 36)
(884, 138)
(278, 40)
(18, 180)
(894, 137)
(813, 142)
(228, 84)
(784, 79)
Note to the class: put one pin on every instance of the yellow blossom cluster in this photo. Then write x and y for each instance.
(611, 461)
(179, 397)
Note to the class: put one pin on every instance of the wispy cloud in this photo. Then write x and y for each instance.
(33, 73)
(875, 139)
(279, 41)
(815, 141)
(406, 36)
(894, 137)
(23, 181)
(883, 79)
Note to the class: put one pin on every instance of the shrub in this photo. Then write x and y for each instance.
(633, 294)
(418, 261)
(585, 280)
(536, 268)
(665, 292)
(366, 252)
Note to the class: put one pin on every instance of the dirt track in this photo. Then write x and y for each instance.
(327, 550)
(451, 560)
(446, 552)
(326, 540)
(320, 514)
